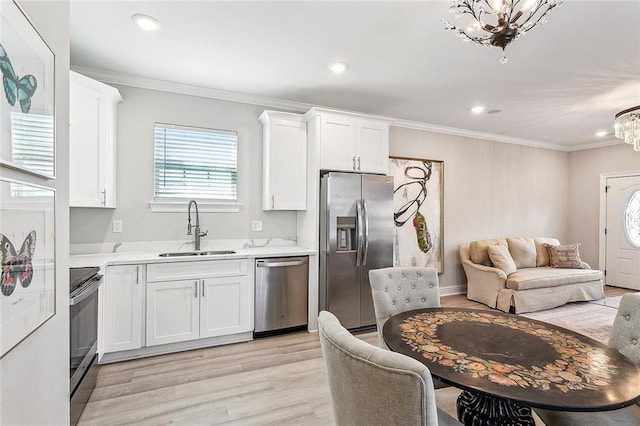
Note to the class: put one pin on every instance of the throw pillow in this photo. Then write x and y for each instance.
(478, 250)
(542, 254)
(523, 251)
(501, 258)
(564, 256)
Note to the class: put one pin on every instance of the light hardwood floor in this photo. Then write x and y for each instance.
(270, 381)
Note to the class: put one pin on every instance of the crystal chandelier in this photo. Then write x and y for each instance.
(499, 22)
(627, 126)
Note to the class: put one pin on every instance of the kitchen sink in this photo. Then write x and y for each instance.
(196, 253)
(214, 252)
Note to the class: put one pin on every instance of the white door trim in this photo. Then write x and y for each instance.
(602, 240)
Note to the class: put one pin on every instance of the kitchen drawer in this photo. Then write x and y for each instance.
(195, 270)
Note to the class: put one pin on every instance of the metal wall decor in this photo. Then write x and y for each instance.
(418, 212)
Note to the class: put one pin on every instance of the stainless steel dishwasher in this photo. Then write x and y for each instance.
(282, 288)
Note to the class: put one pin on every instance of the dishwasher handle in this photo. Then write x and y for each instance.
(272, 264)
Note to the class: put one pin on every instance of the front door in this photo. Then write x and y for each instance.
(623, 232)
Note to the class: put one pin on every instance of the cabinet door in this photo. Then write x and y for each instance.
(285, 165)
(122, 308)
(372, 146)
(337, 145)
(172, 311)
(92, 129)
(225, 307)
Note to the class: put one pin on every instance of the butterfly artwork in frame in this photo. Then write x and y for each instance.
(17, 266)
(27, 259)
(27, 109)
(20, 89)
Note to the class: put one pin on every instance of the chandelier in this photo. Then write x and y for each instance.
(627, 126)
(499, 22)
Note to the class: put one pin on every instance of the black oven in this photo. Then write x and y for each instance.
(83, 336)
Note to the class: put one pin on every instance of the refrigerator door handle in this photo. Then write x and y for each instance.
(365, 215)
(359, 232)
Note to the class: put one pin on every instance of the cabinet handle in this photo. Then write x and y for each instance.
(273, 201)
(195, 289)
(137, 274)
(354, 163)
(104, 197)
(358, 163)
(202, 283)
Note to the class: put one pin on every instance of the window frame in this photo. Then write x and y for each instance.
(179, 204)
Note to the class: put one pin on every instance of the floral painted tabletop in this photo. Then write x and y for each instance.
(509, 356)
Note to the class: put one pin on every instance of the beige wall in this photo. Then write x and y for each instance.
(34, 376)
(491, 190)
(584, 192)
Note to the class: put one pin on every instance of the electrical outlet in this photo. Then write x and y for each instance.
(117, 226)
(256, 225)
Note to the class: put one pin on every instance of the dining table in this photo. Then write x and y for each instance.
(505, 364)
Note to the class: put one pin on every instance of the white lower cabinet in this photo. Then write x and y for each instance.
(224, 306)
(172, 312)
(211, 299)
(122, 314)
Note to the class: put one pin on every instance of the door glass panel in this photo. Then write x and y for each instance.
(632, 219)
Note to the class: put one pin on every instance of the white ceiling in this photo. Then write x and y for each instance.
(563, 82)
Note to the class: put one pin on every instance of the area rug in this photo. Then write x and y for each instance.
(591, 319)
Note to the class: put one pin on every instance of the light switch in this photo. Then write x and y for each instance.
(117, 226)
(256, 225)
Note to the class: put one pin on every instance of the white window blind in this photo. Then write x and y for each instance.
(32, 148)
(195, 163)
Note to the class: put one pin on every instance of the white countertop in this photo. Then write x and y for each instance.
(138, 257)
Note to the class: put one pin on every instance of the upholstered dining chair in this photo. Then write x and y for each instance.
(625, 338)
(401, 289)
(373, 386)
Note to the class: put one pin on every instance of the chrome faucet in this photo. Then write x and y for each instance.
(198, 234)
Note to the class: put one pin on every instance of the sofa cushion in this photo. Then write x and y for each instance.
(523, 251)
(564, 256)
(501, 258)
(541, 277)
(542, 255)
(479, 253)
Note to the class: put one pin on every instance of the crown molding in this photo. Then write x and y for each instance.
(301, 107)
(477, 135)
(187, 89)
(597, 145)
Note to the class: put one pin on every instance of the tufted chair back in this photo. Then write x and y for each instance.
(625, 334)
(400, 289)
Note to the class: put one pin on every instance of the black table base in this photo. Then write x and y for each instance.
(482, 410)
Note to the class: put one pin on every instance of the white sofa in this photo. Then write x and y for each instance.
(534, 285)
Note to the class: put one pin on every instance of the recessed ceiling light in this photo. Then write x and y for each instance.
(338, 67)
(477, 109)
(146, 22)
(601, 133)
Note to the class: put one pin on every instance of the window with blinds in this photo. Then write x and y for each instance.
(32, 147)
(195, 163)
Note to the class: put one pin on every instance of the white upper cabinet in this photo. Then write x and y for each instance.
(284, 166)
(351, 142)
(92, 142)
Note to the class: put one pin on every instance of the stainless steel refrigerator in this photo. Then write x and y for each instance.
(356, 235)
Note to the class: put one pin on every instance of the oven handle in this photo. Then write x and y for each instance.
(86, 292)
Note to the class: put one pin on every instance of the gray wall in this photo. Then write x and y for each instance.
(138, 112)
(491, 190)
(34, 376)
(584, 192)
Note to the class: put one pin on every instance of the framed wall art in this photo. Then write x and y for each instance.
(27, 140)
(27, 257)
(418, 202)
